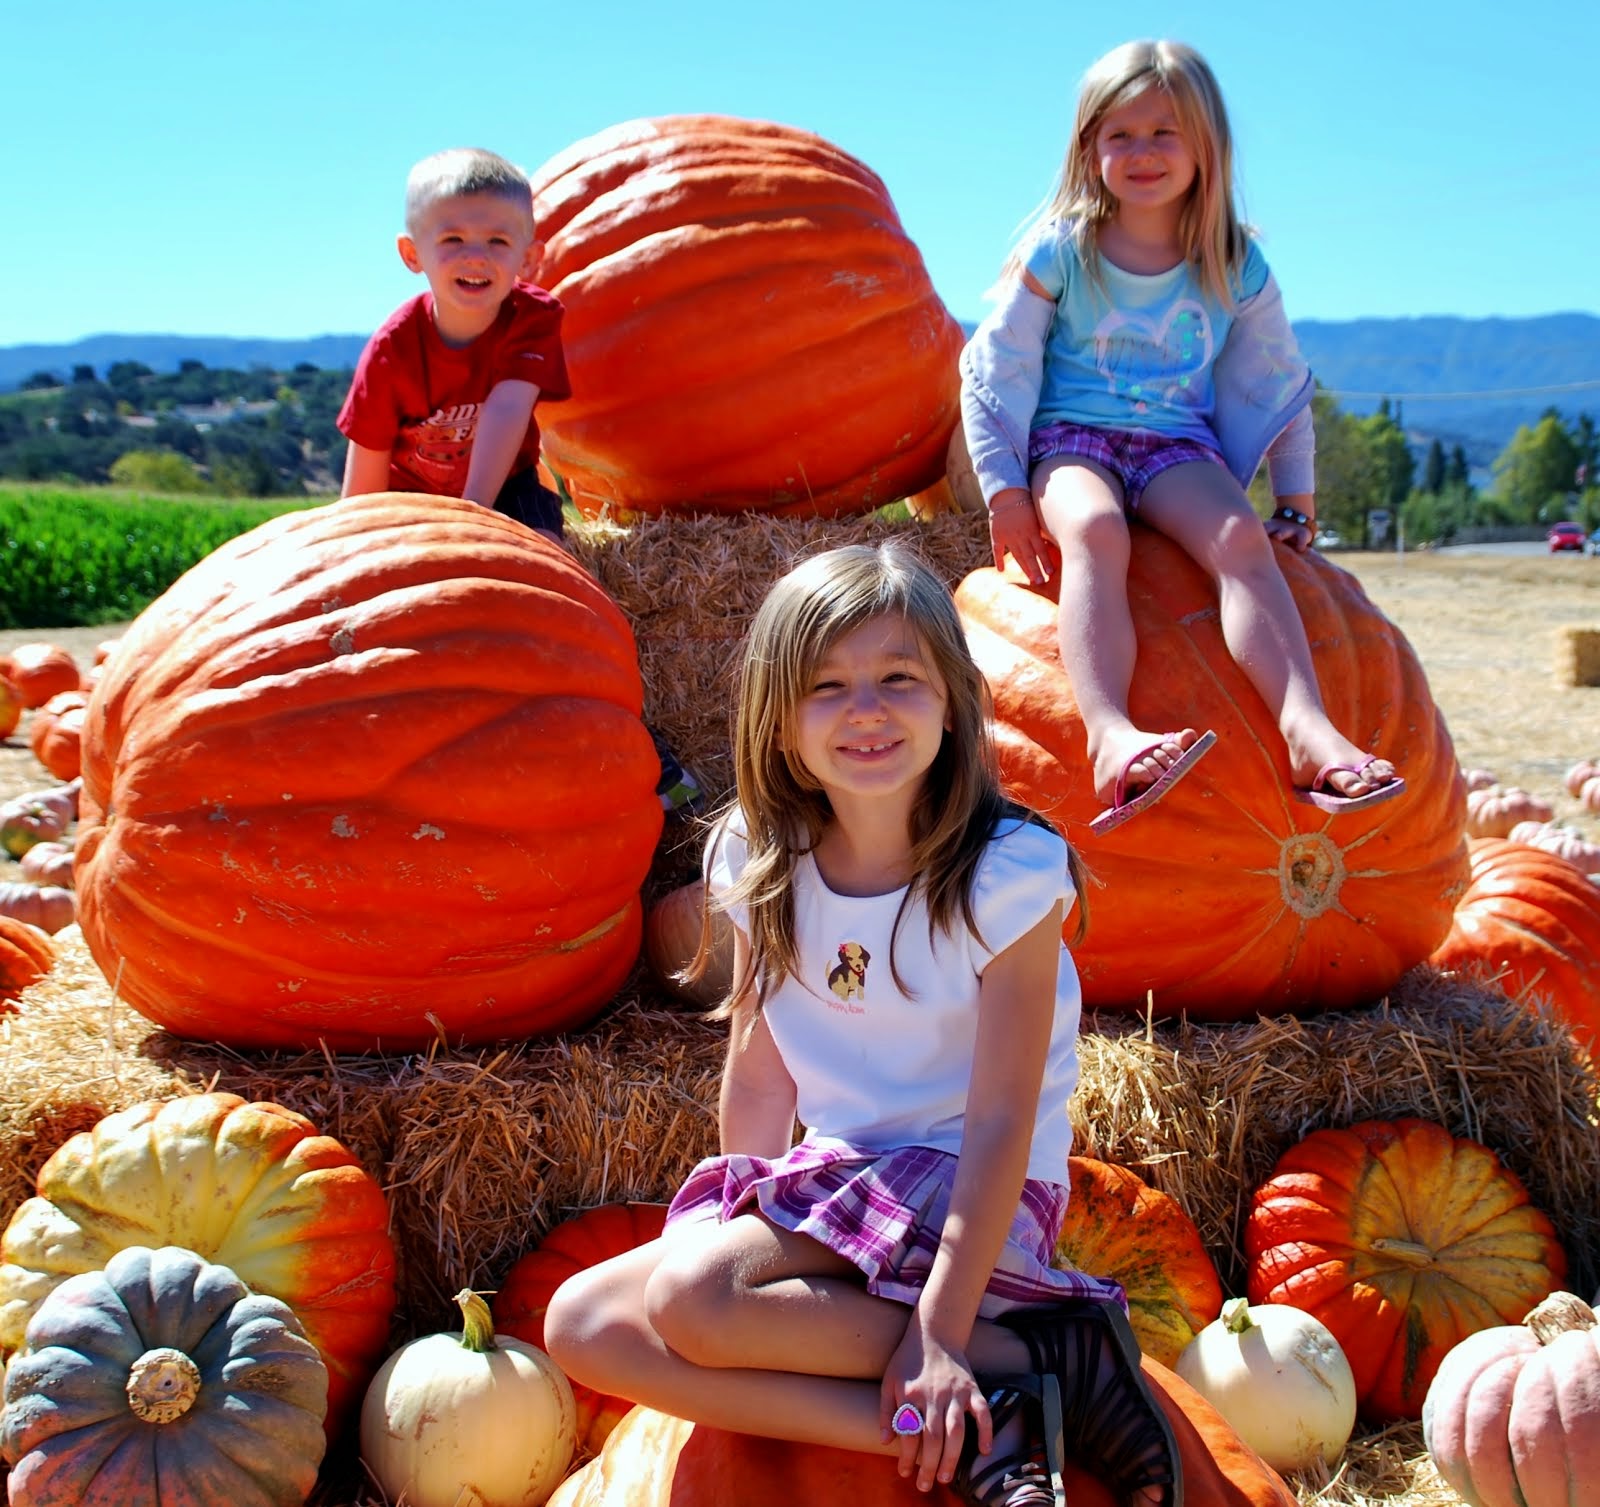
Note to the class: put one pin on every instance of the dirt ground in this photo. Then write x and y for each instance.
(1486, 628)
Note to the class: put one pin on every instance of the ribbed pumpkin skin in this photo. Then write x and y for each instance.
(652, 1460)
(369, 773)
(570, 1247)
(26, 955)
(747, 325)
(1118, 1226)
(1533, 919)
(1230, 898)
(252, 1437)
(1403, 1240)
(251, 1187)
(1514, 1421)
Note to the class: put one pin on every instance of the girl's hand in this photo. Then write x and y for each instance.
(1292, 531)
(1014, 530)
(938, 1382)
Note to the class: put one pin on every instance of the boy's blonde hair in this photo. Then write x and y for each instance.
(463, 170)
(785, 808)
(1211, 232)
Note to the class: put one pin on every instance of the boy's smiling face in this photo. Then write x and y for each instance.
(471, 248)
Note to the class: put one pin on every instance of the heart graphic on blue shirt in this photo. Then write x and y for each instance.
(1145, 358)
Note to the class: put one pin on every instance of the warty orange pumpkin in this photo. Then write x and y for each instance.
(340, 785)
(570, 1247)
(653, 1460)
(747, 324)
(1531, 920)
(251, 1187)
(1233, 898)
(1402, 1239)
(1118, 1226)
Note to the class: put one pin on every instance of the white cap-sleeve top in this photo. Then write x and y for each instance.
(878, 1068)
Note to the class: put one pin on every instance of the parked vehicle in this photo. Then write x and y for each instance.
(1328, 538)
(1566, 536)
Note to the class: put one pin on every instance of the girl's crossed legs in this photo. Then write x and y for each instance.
(750, 1327)
(1206, 513)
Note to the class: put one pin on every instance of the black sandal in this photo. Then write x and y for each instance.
(1014, 1480)
(1109, 1418)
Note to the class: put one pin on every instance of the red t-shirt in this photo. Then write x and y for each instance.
(419, 398)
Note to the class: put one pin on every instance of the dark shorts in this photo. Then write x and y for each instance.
(528, 500)
(1134, 456)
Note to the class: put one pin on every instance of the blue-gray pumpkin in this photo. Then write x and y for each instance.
(162, 1381)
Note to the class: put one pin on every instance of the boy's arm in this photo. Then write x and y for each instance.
(502, 423)
(365, 471)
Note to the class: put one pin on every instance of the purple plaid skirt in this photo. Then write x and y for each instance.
(883, 1212)
(1134, 456)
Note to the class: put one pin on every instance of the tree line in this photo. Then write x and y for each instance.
(262, 433)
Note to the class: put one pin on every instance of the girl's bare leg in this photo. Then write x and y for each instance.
(1080, 506)
(746, 1327)
(1203, 509)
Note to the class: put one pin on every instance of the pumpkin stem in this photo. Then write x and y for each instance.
(1236, 1316)
(1560, 1312)
(477, 1327)
(1406, 1252)
(162, 1385)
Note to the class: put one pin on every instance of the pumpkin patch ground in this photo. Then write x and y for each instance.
(481, 1151)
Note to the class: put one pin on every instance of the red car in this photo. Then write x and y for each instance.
(1565, 536)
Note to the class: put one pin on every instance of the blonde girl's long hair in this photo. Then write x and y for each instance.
(784, 807)
(1209, 229)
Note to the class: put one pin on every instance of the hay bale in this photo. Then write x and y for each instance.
(1578, 656)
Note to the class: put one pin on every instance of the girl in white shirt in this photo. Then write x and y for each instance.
(900, 984)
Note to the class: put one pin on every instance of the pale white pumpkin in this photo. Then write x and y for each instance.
(1280, 1379)
(469, 1420)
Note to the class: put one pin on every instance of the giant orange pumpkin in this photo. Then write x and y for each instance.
(747, 324)
(652, 1460)
(252, 1187)
(1403, 1240)
(1532, 920)
(1118, 1226)
(1230, 898)
(370, 774)
(571, 1247)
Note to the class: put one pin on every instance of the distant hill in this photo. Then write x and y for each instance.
(1465, 381)
(1513, 369)
(162, 353)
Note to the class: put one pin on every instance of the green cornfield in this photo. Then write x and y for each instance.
(71, 558)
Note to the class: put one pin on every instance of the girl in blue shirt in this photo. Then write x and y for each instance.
(1138, 363)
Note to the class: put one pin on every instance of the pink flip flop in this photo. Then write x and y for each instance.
(1120, 810)
(1326, 799)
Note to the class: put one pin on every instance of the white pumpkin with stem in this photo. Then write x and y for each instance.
(469, 1419)
(1279, 1377)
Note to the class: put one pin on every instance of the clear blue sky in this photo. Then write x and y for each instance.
(236, 169)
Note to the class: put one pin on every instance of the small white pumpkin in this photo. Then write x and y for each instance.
(469, 1418)
(1279, 1377)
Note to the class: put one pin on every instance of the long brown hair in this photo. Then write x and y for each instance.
(1210, 231)
(786, 810)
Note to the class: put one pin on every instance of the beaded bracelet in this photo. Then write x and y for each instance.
(1294, 515)
(1015, 502)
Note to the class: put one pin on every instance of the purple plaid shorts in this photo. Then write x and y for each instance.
(884, 1213)
(1134, 456)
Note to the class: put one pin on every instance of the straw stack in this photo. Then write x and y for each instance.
(1578, 656)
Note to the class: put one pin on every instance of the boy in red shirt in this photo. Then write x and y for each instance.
(443, 396)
